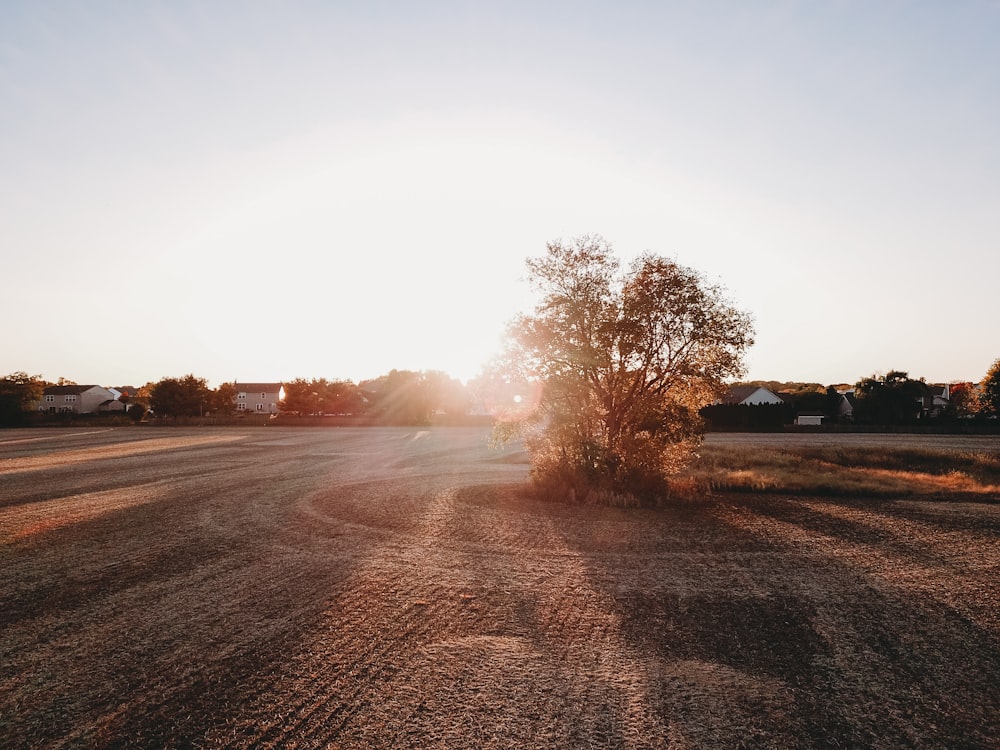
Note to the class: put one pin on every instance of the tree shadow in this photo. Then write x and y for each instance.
(801, 644)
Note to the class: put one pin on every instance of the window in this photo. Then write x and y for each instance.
(263, 396)
(50, 399)
(69, 398)
(260, 407)
(241, 396)
(241, 407)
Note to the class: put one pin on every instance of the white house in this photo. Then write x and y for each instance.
(848, 400)
(78, 399)
(261, 398)
(751, 395)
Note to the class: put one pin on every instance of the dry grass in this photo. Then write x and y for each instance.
(839, 471)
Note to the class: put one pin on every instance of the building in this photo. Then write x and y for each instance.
(848, 402)
(79, 399)
(809, 418)
(936, 401)
(260, 398)
(751, 395)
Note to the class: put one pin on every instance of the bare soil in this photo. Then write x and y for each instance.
(382, 587)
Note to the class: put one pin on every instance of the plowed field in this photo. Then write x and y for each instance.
(382, 587)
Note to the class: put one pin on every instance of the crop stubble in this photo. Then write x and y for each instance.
(379, 587)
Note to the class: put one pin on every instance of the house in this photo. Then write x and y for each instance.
(848, 400)
(936, 400)
(261, 398)
(751, 395)
(79, 399)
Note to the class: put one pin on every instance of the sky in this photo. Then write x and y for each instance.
(259, 191)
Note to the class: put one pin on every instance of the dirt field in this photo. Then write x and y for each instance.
(378, 588)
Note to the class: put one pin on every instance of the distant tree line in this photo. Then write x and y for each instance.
(892, 400)
(409, 397)
(399, 397)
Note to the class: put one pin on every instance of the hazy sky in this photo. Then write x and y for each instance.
(264, 191)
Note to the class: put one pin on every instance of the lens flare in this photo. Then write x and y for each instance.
(514, 401)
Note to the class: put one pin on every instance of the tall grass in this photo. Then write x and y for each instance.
(845, 471)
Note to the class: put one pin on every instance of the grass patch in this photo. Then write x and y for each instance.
(847, 472)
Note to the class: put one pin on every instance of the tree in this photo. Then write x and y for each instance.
(989, 392)
(18, 393)
(339, 397)
(625, 360)
(890, 399)
(222, 400)
(321, 396)
(962, 401)
(143, 395)
(808, 400)
(401, 397)
(300, 397)
(179, 397)
(446, 394)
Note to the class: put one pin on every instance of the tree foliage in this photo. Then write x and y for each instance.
(626, 360)
(962, 402)
(745, 417)
(445, 394)
(400, 397)
(222, 400)
(341, 397)
(18, 393)
(188, 396)
(320, 396)
(791, 387)
(989, 392)
(300, 398)
(890, 399)
(142, 395)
